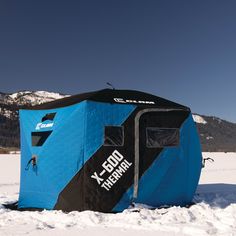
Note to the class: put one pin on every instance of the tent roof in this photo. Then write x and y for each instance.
(111, 96)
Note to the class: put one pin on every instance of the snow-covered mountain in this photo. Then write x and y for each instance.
(216, 134)
(9, 102)
(199, 119)
(30, 97)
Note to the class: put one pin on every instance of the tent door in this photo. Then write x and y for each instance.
(146, 121)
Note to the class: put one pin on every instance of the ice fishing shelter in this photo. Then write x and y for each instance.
(107, 149)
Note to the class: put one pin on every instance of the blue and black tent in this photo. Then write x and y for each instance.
(107, 149)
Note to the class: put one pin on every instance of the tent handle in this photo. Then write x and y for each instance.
(206, 159)
(34, 163)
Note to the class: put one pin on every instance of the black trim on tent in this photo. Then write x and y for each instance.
(112, 96)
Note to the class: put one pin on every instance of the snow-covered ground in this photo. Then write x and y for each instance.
(213, 214)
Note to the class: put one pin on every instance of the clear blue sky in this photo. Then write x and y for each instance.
(183, 50)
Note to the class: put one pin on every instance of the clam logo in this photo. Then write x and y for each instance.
(47, 117)
(41, 126)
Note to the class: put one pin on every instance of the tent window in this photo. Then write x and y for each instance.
(162, 137)
(49, 116)
(39, 138)
(114, 136)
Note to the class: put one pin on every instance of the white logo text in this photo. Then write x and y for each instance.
(41, 126)
(121, 100)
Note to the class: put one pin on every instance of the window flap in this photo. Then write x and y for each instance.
(114, 136)
(162, 137)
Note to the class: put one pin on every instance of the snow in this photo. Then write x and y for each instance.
(5, 112)
(198, 119)
(16, 95)
(209, 137)
(217, 119)
(213, 214)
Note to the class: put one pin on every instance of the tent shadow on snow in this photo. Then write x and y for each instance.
(216, 195)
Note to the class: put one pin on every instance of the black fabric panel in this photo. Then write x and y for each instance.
(133, 97)
(107, 95)
(84, 193)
